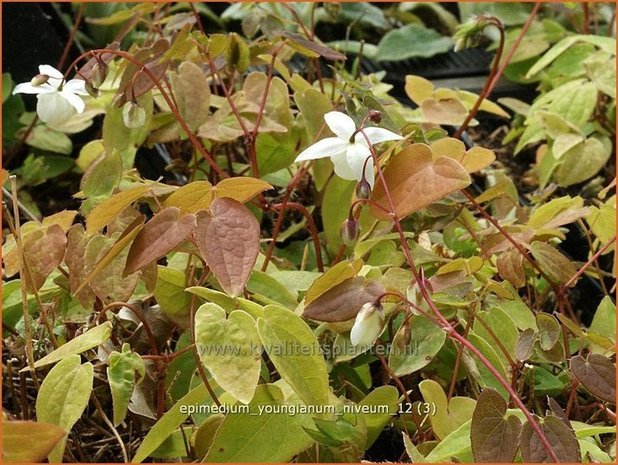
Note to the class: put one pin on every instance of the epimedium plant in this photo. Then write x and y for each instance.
(323, 272)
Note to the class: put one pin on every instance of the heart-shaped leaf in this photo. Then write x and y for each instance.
(494, 435)
(159, 236)
(230, 349)
(294, 349)
(63, 397)
(415, 181)
(343, 301)
(560, 436)
(229, 240)
(554, 263)
(597, 374)
(425, 341)
(43, 251)
(449, 415)
(40, 437)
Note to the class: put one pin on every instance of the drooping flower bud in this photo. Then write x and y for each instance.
(368, 325)
(133, 115)
(402, 337)
(39, 80)
(350, 231)
(363, 189)
(375, 116)
(99, 73)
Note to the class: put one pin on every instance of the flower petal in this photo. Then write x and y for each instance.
(377, 135)
(76, 86)
(53, 108)
(356, 156)
(322, 149)
(74, 100)
(341, 124)
(342, 169)
(28, 88)
(50, 71)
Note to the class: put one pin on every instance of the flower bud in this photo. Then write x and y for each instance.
(350, 231)
(375, 116)
(99, 73)
(39, 80)
(368, 325)
(403, 337)
(133, 115)
(363, 189)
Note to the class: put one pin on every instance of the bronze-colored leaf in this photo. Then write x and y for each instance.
(28, 441)
(43, 251)
(525, 345)
(241, 188)
(447, 111)
(158, 237)
(75, 260)
(299, 43)
(191, 198)
(560, 437)
(493, 434)
(228, 239)
(511, 267)
(556, 265)
(597, 374)
(415, 181)
(343, 301)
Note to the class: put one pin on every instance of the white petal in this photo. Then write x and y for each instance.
(50, 71)
(53, 108)
(356, 156)
(342, 169)
(74, 100)
(368, 326)
(377, 135)
(28, 88)
(322, 149)
(76, 86)
(341, 124)
(369, 174)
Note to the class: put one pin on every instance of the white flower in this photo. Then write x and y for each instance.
(349, 150)
(368, 325)
(57, 101)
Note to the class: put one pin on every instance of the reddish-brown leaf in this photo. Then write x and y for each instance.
(159, 236)
(343, 301)
(43, 251)
(511, 267)
(415, 181)
(560, 436)
(76, 262)
(494, 436)
(597, 374)
(228, 239)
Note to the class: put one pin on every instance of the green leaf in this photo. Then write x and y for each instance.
(45, 138)
(335, 208)
(449, 415)
(192, 93)
(549, 330)
(494, 435)
(40, 438)
(268, 290)
(125, 370)
(582, 162)
(455, 444)
(265, 437)
(102, 175)
(63, 396)
(413, 40)
(170, 293)
(604, 320)
(490, 351)
(230, 349)
(171, 420)
(576, 104)
(375, 422)
(426, 340)
(295, 352)
(86, 341)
